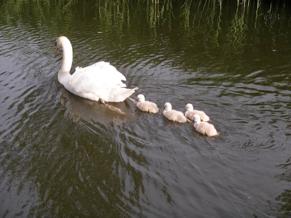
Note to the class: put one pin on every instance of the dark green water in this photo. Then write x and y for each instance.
(62, 156)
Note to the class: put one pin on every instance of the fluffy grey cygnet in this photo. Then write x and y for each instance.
(204, 128)
(173, 115)
(146, 106)
(190, 112)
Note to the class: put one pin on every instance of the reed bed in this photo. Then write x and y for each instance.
(206, 15)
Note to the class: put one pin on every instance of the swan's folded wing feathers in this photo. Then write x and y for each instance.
(108, 71)
(119, 94)
(84, 84)
(88, 78)
(94, 80)
(78, 68)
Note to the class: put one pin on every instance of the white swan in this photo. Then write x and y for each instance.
(190, 112)
(98, 82)
(173, 115)
(203, 127)
(146, 106)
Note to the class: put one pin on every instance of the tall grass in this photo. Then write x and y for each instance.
(123, 13)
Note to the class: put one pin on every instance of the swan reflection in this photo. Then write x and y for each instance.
(78, 108)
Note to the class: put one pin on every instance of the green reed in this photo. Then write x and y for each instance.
(187, 13)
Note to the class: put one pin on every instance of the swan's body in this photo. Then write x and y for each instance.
(173, 115)
(99, 81)
(203, 127)
(146, 106)
(190, 113)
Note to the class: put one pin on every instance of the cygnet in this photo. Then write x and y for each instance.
(173, 115)
(146, 106)
(190, 112)
(204, 128)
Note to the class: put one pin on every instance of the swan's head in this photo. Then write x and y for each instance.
(168, 106)
(196, 118)
(189, 107)
(141, 98)
(62, 42)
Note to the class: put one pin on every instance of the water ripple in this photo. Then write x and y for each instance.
(61, 155)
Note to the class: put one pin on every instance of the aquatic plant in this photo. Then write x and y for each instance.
(156, 12)
(204, 15)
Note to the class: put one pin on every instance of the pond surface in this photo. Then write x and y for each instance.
(63, 156)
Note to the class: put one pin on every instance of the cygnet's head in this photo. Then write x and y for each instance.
(141, 98)
(196, 118)
(168, 106)
(189, 107)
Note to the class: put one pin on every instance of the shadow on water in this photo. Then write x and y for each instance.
(61, 155)
(81, 109)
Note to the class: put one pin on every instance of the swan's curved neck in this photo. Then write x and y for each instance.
(67, 60)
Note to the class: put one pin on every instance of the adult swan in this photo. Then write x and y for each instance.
(98, 82)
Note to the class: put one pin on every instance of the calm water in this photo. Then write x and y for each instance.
(62, 156)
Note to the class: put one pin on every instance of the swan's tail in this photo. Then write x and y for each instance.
(120, 94)
(132, 100)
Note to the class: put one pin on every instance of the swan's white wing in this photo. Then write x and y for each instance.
(108, 71)
(98, 75)
(119, 94)
(100, 80)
